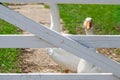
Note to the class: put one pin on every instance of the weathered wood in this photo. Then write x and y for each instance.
(31, 41)
(45, 76)
(67, 1)
(58, 40)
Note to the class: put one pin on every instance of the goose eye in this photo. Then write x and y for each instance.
(89, 25)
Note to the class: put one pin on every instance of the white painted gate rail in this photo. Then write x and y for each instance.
(44, 37)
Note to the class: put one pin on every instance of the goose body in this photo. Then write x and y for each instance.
(86, 67)
(67, 60)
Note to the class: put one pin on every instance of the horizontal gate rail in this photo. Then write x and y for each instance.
(57, 39)
(32, 41)
(66, 1)
(46, 76)
(23, 41)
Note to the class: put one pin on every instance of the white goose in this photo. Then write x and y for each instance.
(84, 66)
(70, 61)
(62, 57)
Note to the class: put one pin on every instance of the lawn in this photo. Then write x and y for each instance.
(106, 18)
(8, 56)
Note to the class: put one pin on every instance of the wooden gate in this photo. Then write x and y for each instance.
(45, 38)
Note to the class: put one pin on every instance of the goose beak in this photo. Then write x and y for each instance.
(88, 25)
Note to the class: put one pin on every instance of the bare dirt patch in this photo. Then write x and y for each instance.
(37, 60)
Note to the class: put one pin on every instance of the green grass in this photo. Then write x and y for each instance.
(106, 18)
(5, 4)
(8, 56)
(6, 28)
(8, 60)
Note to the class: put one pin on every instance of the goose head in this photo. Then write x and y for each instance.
(88, 25)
